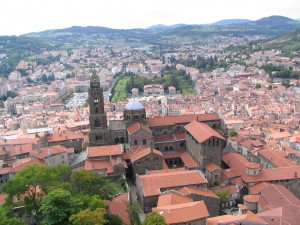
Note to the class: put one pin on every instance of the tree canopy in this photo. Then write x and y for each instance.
(154, 218)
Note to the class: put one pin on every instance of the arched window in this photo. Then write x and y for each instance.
(144, 141)
(122, 140)
(98, 138)
(135, 142)
(97, 123)
(117, 140)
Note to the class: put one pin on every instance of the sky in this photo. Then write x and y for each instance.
(24, 16)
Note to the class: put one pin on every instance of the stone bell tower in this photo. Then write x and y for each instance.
(99, 133)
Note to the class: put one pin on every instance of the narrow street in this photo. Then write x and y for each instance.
(134, 198)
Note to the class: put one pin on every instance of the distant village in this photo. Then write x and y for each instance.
(229, 154)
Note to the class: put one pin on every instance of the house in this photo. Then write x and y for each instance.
(68, 140)
(139, 134)
(247, 219)
(153, 89)
(105, 160)
(178, 209)
(204, 144)
(150, 186)
(55, 155)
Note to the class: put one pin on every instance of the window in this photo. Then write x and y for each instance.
(216, 176)
(96, 110)
(171, 148)
(157, 148)
(117, 140)
(144, 141)
(97, 123)
(181, 144)
(135, 142)
(166, 148)
(98, 138)
(147, 159)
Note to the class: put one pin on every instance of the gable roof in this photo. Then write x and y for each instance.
(153, 183)
(201, 132)
(137, 126)
(182, 119)
(182, 213)
(227, 219)
(107, 150)
(172, 198)
(197, 191)
(64, 136)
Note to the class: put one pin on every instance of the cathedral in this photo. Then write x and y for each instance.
(153, 143)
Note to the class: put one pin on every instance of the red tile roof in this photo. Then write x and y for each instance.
(201, 132)
(198, 191)
(100, 151)
(21, 164)
(92, 165)
(227, 219)
(118, 207)
(212, 167)
(64, 136)
(182, 119)
(137, 126)
(172, 199)
(152, 183)
(53, 150)
(183, 213)
(142, 152)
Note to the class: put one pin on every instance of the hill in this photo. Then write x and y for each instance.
(289, 41)
(232, 21)
(162, 34)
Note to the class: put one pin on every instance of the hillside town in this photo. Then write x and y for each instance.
(228, 153)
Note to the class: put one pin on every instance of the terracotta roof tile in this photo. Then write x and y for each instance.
(92, 165)
(100, 151)
(183, 213)
(64, 136)
(249, 217)
(166, 199)
(201, 132)
(198, 191)
(137, 126)
(212, 167)
(153, 183)
(172, 120)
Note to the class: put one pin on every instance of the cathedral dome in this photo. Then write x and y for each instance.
(134, 105)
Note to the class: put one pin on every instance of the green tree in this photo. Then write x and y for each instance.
(33, 183)
(133, 212)
(90, 183)
(114, 220)
(58, 206)
(87, 216)
(12, 221)
(232, 133)
(258, 85)
(224, 195)
(154, 218)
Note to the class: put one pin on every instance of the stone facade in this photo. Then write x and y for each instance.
(99, 133)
